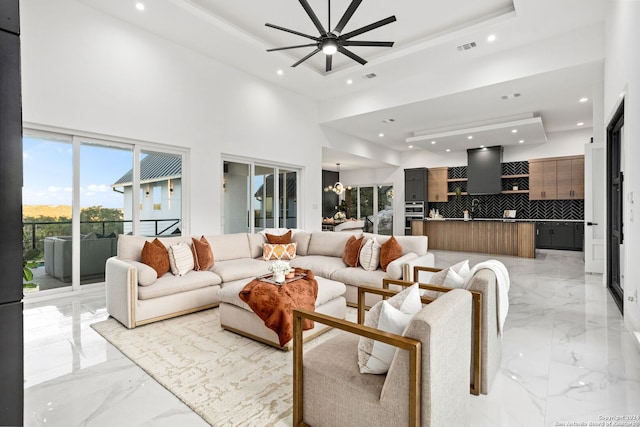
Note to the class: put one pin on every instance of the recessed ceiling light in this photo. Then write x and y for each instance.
(521, 141)
(585, 99)
(482, 146)
(491, 38)
(411, 146)
(514, 130)
(381, 134)
(280, 72)
(448, 150)
(140, 6)
(349, 81)
(433, 142)
(470, 137)
(580, 123)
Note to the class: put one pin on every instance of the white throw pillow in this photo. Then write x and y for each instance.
(370, 255)
(180, 259)
(373, 358)
(452, 277)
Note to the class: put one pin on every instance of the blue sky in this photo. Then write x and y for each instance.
(48, 173)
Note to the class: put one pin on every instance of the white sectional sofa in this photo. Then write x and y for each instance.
(136, 296)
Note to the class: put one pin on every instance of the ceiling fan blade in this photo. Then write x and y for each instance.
(351, 55)
(292, 47)
(369, 27)
(364, 43)
(347, 16)
(313, 16)
(329, 62)
(306, 57)
(292, 31)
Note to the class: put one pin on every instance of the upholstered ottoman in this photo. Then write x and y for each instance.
(237, 316)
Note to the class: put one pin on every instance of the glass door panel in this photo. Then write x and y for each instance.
(161, 199)
(263, 197)
(385, 210)
(236, 190)
(47, 211)
(365, 205)
(102, 206)
(288, 195)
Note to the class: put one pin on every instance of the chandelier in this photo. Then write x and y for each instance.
(337, 188)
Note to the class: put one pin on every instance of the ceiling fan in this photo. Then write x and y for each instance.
(334, 41)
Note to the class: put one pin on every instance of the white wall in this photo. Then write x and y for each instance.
(622, 76)
(86, 71)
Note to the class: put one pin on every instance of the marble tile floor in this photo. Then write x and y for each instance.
(567, 358)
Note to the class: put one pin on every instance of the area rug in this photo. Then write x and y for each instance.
(227, 379)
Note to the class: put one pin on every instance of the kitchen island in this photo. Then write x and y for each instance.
(490, 236)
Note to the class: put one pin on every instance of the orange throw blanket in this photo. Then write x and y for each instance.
(274, 304)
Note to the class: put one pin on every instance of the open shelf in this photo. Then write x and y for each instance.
(522, 175)
(515, 192)
(457, 180)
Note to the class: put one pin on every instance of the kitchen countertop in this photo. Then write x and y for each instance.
(506, 219)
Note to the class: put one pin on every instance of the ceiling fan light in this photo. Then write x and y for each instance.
(329, 47)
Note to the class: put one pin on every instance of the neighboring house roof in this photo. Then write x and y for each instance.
(154, 167)
(291, 185)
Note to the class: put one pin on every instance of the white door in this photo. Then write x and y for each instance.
(594, 208)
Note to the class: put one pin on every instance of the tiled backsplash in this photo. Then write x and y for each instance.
(493, 206)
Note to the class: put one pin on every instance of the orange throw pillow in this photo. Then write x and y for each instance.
(279, 240)
(156, 256)
(202, 254)
(352, 251)
(389, 251)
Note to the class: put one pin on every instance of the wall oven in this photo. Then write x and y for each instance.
(412, 211)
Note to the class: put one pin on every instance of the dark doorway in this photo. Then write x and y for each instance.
(615, 199)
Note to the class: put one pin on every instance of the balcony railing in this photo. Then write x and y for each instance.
(35, 232)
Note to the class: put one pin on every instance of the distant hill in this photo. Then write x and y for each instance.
(53, 211)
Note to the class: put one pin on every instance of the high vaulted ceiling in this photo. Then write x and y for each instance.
(547, 54)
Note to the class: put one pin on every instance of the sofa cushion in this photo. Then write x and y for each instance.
(370, 254)
(202, 254)
(181, 259)
(279, 251)
(279, 239)
(415, 244)
(170, 284)
(394, 269)
(255, 244)
(156, 256)
(389, 251)
(323, 266)
(302, 238)
(229, 246)
(328, 243)
(130, 247)
(357, 276)
(146, 275)
(235, 269)
(352, 251)
(452, 277)
(327, 290)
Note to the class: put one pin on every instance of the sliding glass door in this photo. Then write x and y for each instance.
(258, 196)
(373, 205)
(79, 194)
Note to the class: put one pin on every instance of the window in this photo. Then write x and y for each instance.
(259, 196)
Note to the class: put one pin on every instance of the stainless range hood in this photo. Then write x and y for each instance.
(484, 170)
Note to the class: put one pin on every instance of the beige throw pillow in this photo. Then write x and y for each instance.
(370, 255)
(181, 259)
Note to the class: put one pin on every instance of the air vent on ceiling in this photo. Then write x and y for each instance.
(388, 120)
(370, 76)
(467, 46)
(511, 96)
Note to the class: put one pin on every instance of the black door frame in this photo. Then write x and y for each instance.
(615, 201)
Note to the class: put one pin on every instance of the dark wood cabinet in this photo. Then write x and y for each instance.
(415, 185)
(560, 235)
